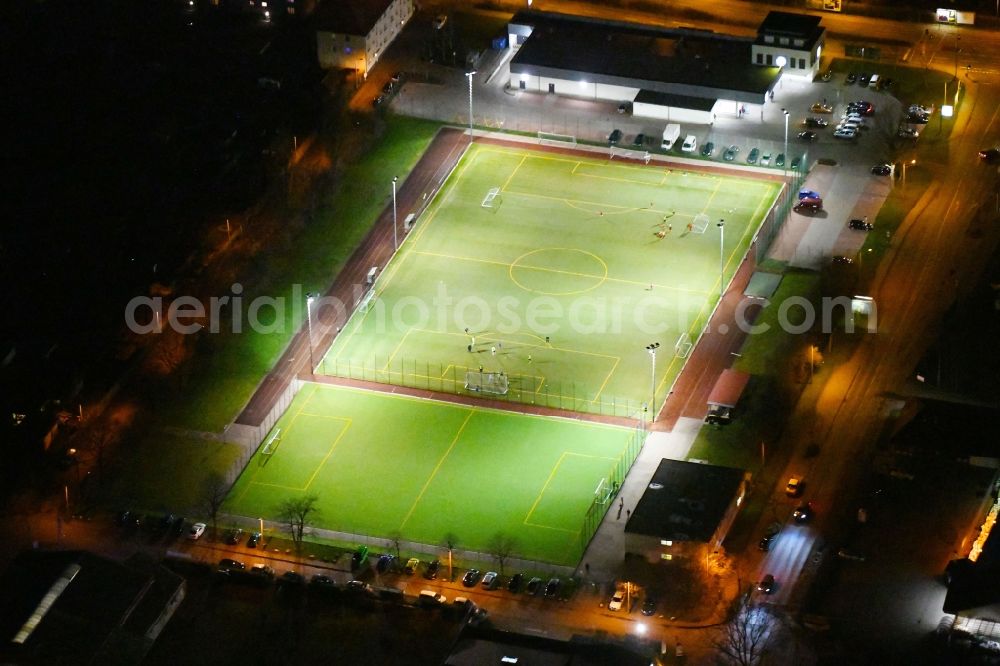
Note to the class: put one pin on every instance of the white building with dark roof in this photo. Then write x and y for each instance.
(793, 42)
(354, 34)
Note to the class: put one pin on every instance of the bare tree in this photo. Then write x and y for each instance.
(744, 639)
(396, 537)
(501, 547)
(296, 512)
(213, 495)
(98, 441)
(450, 541)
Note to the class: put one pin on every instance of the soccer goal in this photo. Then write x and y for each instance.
(492, 383)
(552, 139)
(272, 442)
(700, 223)
(638, 155)
(683, 346)
(603, 492)
(365, 304)
(493, 199)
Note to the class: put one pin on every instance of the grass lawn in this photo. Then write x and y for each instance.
(166, 472)
(383, 464)
(227, 367)
(561, 284)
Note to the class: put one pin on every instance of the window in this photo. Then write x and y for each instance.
(770, 59)
(768, 39)
(791, 63)
(552, 87)
(799, 42)
(802, 63)
(521, 84)
(783, 41)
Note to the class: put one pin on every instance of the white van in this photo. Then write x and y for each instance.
(431, 598)
(873, 82)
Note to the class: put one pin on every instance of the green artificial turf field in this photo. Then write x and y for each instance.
(578, 265)
(383, 463)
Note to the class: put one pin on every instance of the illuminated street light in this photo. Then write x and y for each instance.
(651, 348)
(722, 257)
(310, 297)
(470, 75)
(781, 61)
(395, 240)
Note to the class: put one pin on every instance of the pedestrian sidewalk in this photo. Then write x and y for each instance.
(604, 558)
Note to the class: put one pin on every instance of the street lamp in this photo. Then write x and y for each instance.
(651, 348)
(780, 61)
(470, 75)
(910, 163)
(957, 51)
(722, 257)
(395, 241)
(785, 111)
(310, 297)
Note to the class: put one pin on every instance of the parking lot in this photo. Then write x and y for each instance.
(840, 169)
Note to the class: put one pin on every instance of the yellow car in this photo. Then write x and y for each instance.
(821, 108)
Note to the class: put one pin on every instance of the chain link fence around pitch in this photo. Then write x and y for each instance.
(522, 389)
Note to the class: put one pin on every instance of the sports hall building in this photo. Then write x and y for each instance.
(681, 74)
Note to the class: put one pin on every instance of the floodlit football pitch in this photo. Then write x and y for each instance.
(384, 464)
(542, 277)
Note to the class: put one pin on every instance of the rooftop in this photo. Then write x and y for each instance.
(685, 501)
(481, 646)
(655, 59)
(792, 25)
(351, 17)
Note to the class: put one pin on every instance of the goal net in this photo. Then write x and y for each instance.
(492, 198)
(272, 442)
(552, 139)
(366, 301)
(683, 346)
(603, 492)
(638, 155)
(492, 383)
(700, 223)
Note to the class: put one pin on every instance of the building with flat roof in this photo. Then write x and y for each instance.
(354, 34)
(678, 74)
(483, 646)
(793, 42)
(73, 607)
(685, 511)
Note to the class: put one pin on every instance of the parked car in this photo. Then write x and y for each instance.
(690, 144)
(707, 149)
(863, 78)
(860, 225)
(262, 570)
(291, 579)
(623, 107)
(845, 133)
(471, 577)
(796, 163)
(989, 155)
(432, 570)
(639, 141)
(253, 540)
(808, 206)
(819, 107)
(534, 585)
(851, 78)
(779, 161)
(230, 564)
(766, 584)
(617, 601)
(320, 580)
(907, 133)
(730, 153)
(752, 156)
(808, 194)
(649, 605)
(765, 159)
(842, 260)
(766, 542)
(490, 580)
(384, 562)
(815, 122)
(412, 565)
(827, 75)
(397, 77)
(377, 102)
(807, 136)
(882, 169)
(515, 582)
(233, 536)
(803, 512)
(614, 137)
(359, 558)
(196, 531)
(177, 528)
(552, 587)
(794, 487)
